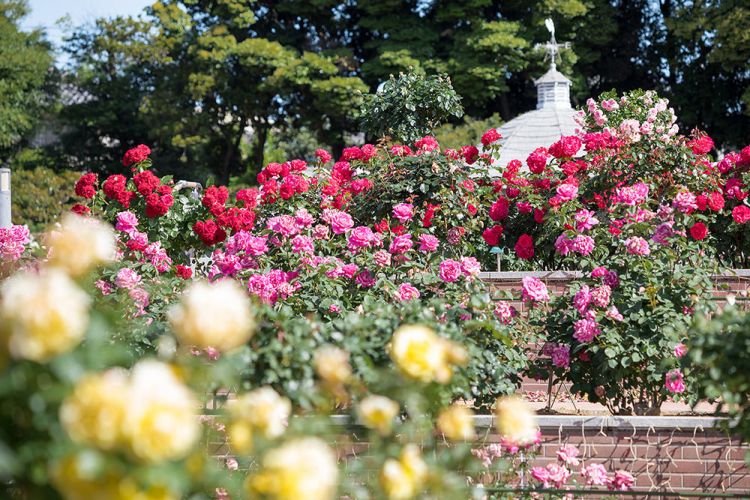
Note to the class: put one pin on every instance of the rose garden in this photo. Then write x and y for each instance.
(339, 329)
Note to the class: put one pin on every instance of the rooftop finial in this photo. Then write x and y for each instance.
(552, 47)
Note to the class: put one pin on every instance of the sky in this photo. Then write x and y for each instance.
(44, 13)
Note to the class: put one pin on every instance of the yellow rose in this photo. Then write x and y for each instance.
(80, 244)
(301, 469)
(161, 421)
(94, 412)
(516, 420)
(404, 478)
(378, 412)
(264, 410)
(421, 354)
(457, 423)
(42, 315)
(332, 365)
(214, 315)
(79, 477)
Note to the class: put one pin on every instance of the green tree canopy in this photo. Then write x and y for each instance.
(25, 64)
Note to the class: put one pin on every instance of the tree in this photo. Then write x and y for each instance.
(25, 64)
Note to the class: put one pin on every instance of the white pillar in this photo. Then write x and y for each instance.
(5, 220)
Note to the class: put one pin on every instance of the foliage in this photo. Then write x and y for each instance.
(410, 106)
(25, 62)
(720, 351)
(40, 195)
(468, 131)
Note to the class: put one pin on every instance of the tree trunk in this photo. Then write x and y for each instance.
(259, 145)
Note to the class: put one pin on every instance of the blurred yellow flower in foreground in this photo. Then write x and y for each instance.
(80, 476)
(456, 423)
(42, 315)
(404, 478)
(94, 413)
(377, 412)
(162, 421)
(264, 410)
(421, 354)
(301, 469)
(214, 315)
(80, 244)
(332, 364)
(516, 420)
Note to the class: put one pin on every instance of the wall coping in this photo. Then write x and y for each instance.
(568, 275)
(613, 422)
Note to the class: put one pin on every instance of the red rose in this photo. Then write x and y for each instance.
(114, 185)
(323, 155)
(499, 209)
(146, 182)
(492, 235)
(471, 209)
(745, 156)
(429, 214)
(566, 147)
(741, 214)
(537, 161)
(470, 154)
(701, 145)
(183, 272)
(209, 232)
(85, 186)
(249, 197)
(539, 215)
(698, 231)
(136, 155)
(716, 201)
(491, 136)
(702, 201)
(80, 209)
(525, 247)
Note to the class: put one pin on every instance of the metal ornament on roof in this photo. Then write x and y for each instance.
(553, 116)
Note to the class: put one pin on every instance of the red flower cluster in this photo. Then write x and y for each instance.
(492, 235)
(214, 199)
(701, 145)
(209, 232)
(159, 202)
(525, 247)
(85, 186)
(115, 188)
(492, 135)
(183, 272)
(136, 155)
(566, 147)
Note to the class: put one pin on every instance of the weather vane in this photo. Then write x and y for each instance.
(552, 47)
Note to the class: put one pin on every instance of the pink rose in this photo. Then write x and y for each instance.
(470, 266)
(403, 212)
(623, 481)
(360, 237)
(126, 222)
(407, 292)
(303, 244)
(680, 350)
(561, 357)
(674, 382)
(450, 270)
(534, 289)
(127, 278)
(401, 244)
(568, 454)
(382, 258)
(504, 312)
(635, 245)
(595, 475)
(585, 330)
(428, 243)
(567, 192)
(340, 222)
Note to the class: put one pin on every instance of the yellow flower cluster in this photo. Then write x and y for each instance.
(214, 315)
(81, 244)
(404, 478)
(377, 413)
(77, 477)
(261, 411)
(42, 314)
(303, 468)
(516, 420)
(456, 423)
(151, 414)
(422, 355)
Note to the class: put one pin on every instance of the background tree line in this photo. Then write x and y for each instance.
(217, 87)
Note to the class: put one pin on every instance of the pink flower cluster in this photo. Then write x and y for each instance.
(13, 241)
(557, 474)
